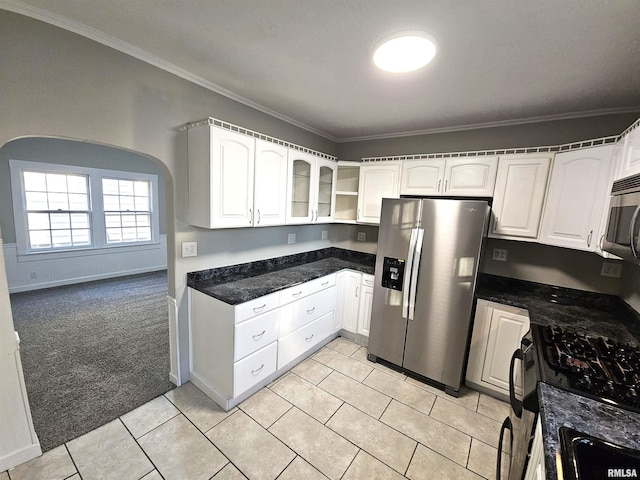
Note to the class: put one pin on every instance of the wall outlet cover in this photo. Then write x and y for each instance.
(189, 249)
(291, 238)
(325, 234)
(611, 269)
(362, 236)
(500, 254)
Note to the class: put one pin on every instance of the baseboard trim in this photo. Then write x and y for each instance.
(20, 456)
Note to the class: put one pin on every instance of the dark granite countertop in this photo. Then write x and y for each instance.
(590, 313)
(241, 283)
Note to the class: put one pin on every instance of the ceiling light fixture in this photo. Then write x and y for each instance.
(405, 52)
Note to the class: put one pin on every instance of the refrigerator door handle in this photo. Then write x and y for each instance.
(408, 270)
(415, 267)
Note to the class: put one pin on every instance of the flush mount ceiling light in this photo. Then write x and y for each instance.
(405, 52)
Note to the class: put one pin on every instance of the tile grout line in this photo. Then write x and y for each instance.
(155, 467)
(72, 461)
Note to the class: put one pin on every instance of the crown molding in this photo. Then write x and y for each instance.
(143, 55)
(501, 123)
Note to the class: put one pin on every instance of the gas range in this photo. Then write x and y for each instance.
(595, 367)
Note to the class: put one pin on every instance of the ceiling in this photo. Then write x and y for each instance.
(309, 61)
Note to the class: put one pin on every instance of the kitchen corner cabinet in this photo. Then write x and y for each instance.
(518, 197)
(347, 300)
(348, 178)
(497, 332)
(364, 304)
(630, 164)
(473, 176)
(270, 190)
(578, 192)
(377, 180)
(311, 189)
(221, 164)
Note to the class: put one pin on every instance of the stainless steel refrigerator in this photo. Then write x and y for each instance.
(425, 277)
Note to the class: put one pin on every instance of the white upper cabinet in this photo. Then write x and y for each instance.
(312, 188)
(221, 166)
(377, 181)
(518, 197)
(468, 177)
(270, 191)
(630, 164)
(473, 177)
(422, 177)
(578, 192)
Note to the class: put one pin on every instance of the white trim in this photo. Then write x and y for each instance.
(174, 345)
(20, 456)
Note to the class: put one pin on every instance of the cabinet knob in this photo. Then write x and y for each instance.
(257, 370)
(259, 335)
(260, 308)
(311, 310)
(589, 238)
(258, 215)
(308, 339)
(250, 216)
(439, 184)
(446, 185)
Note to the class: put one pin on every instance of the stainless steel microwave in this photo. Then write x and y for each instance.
(623, 229)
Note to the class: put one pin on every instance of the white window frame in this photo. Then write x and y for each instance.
(97, 218)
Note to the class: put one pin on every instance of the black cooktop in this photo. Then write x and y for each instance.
(592, 366)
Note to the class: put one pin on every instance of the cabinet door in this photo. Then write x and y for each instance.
(578, 191)
(377, 181)
(519, 196)
(631, 155)
(422, 177)
(471, 177)
(364, 311)
(221, 166)
(301, 185)
(347, 296)
(506, 330)
(270, 192)
(325, 197)
(535, 466)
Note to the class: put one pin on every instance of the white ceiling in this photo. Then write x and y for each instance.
(309, 61)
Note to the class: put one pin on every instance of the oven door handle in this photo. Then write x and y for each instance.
(516, 405)
(506, 425)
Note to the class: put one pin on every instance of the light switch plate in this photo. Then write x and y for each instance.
(500, 254)
(325, 234)
(189, 249)
(611, 269)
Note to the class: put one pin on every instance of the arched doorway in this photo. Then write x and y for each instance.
(114, 268)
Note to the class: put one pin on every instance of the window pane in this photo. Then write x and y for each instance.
(81, 237)
(114, 235)
(56, 182)
(128, 220)
(126, 187)
(112, 220)
(143, 220)
(60, 221)
(58, 201)
(38, 221)
(40, 239)
(126, 203)
(129, 234)
(61, 238)
(141, 189)
(77, 183)
(78, 201)
(144, 234)
(79, 221)
(110, 186)
(34, 182)
(36, 201)
(142, 204)
(111, 203)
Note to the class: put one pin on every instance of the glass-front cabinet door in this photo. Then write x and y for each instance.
(301, 183)
(326, 183)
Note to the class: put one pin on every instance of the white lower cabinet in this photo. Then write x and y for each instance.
(347, 299)
(236, 350)
(365, 304)
(535, 467)
(497, 332)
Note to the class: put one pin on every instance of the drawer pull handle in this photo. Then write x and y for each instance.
(308, 339)
(297, 294)
(258, 336)
(325, 283)
(311, 310)
(257, 370)
(259, 309)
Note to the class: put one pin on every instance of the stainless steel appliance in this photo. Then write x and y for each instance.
(623, 229)
(426, 268)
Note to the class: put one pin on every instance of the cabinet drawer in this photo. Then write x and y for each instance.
(256, 307)
(305, 289)
(251, 335)
(296, 343)
(254, 368)
(367, 280)
(298, 314)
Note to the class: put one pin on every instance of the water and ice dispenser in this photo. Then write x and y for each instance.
(393, 273)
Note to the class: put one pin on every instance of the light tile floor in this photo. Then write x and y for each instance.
(335, 415)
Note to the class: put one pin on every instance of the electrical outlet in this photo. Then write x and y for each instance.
(189, 249)
(500, 254)
(362, 236)
(33, 275)
(611, 269)
(291, 238)
(325, 234)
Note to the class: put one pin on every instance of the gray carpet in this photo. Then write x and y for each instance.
(92, 352)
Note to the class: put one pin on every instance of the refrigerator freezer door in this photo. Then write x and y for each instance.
(398, 224)
(437, 336)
